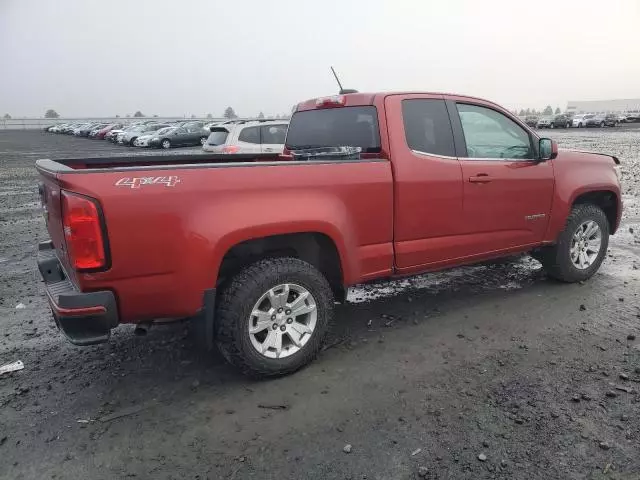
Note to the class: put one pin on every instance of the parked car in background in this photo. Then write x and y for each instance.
(580, 121)
(86, 129)
(544, 122)
(96, 129)
(531, 120)
(179, 137)
(611, 120)
(561, 120)
(132, 134)
(106, 129)
(250, 137)
(633, 117)
(144, 139)
(595, 121)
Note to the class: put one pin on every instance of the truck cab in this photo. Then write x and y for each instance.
(256, 249)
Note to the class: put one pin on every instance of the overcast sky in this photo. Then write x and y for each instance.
(183, 57)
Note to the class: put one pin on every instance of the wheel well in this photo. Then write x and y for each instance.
(314, 248)
(606, 200)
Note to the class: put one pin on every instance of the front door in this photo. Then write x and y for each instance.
(507, 191)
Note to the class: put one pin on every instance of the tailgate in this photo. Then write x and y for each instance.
(49, 191)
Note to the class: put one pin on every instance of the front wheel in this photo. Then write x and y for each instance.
(203, 140)
(581, 246)
(601, 124)
(166, 144)
(272, 318)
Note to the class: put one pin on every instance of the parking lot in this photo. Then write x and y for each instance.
(487, 371)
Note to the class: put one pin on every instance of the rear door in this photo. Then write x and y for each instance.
(427, 183)
(179, 137)
(249, 140)
(272, 137)
(507, 192)
(194, 134)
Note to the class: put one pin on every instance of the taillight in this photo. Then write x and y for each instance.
(83, 232)
(230, 149)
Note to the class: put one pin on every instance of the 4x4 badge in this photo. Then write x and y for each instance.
(138, 182)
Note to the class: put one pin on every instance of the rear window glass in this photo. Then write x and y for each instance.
(249, 135)
(218, 137)
(274, 134)
(335, 127)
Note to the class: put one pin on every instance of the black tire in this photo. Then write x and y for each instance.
(203, 140)
(601, 124)
(235, 303)
(556, 259)
(132, 141)
(552, 125)
(165, 143)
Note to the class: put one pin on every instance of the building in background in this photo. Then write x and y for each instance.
(604, 106)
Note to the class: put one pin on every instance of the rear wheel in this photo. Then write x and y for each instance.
(166, 144)
(581, 246)
(272, 318)
(551, 125)
(601, 124)
(132, 141)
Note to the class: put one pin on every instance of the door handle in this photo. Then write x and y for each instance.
(480, 178)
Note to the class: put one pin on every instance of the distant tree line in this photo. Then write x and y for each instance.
(548, 110)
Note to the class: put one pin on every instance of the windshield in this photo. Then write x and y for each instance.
(335, 127)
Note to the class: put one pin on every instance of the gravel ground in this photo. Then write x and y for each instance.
(488, 371)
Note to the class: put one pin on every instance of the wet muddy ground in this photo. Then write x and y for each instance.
(487, 371)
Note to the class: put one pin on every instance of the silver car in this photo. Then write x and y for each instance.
(247, 137)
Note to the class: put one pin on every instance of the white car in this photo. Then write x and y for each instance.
(580, 121)
(143, 140)
(247, 137)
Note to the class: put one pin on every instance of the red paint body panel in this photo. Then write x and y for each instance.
(578, 173)
(397, 213)
(166, 244)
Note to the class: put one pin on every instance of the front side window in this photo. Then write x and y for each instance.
(249, 135)
(490, 134)
(427, 127)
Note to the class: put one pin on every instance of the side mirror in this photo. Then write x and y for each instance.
(548, 149)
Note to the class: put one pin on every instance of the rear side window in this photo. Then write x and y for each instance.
(217, 136)
(250, 135)
(274, 133)
(427, 127)
(335, 127)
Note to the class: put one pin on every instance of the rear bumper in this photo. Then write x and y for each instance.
(84, 318)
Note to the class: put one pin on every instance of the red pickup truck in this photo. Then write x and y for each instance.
(256, 249)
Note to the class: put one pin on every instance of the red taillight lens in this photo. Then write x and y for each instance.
(83, 232)
(230, 149)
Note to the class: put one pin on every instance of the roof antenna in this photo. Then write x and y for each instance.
(342, 90)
